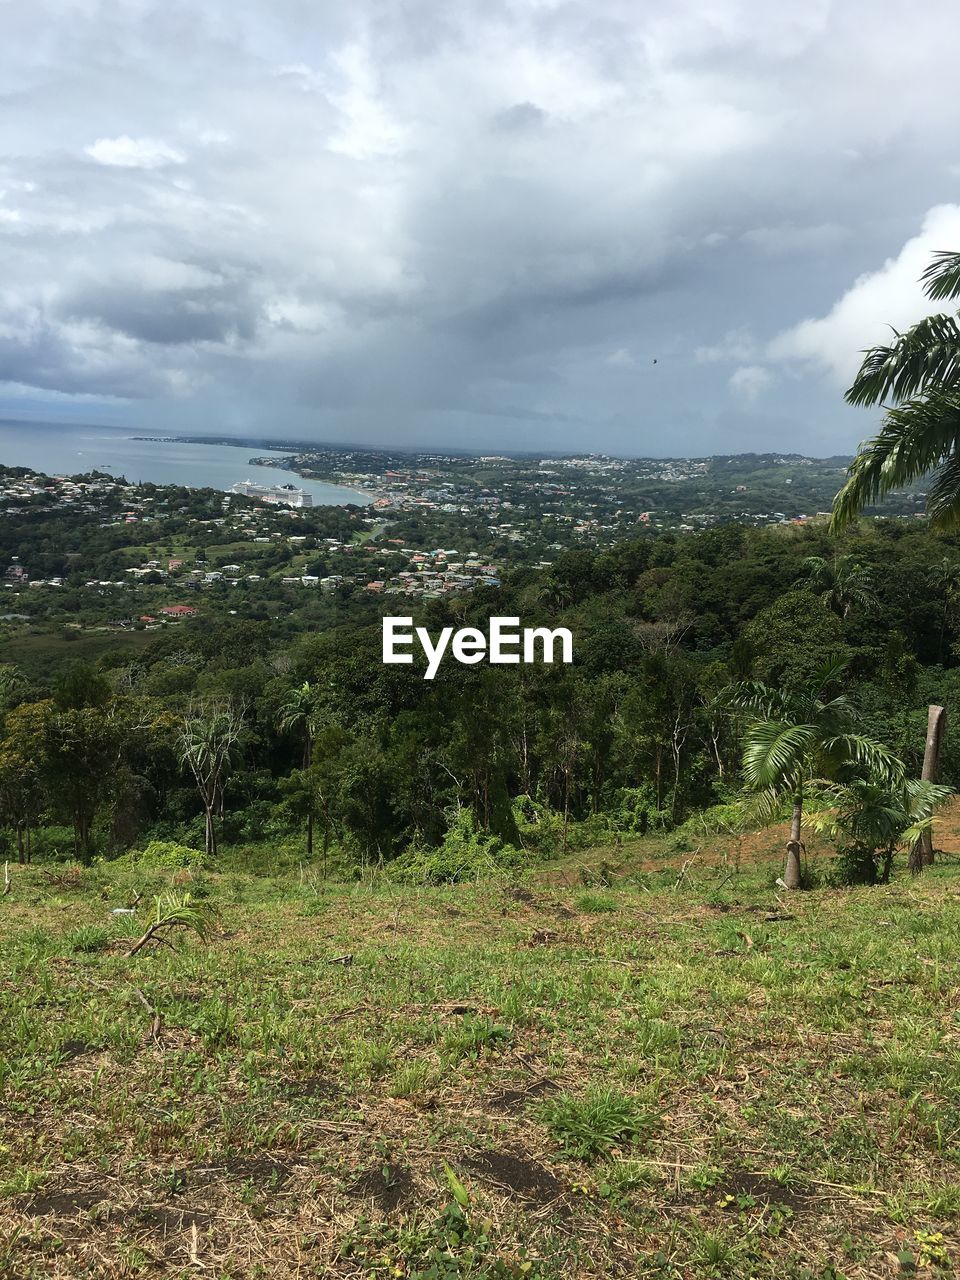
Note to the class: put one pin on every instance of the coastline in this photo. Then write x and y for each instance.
(280, 463)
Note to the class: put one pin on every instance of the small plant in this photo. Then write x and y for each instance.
(473, 1036)
(931, 1249)
(22, 1182)
(410, 1080)
(88, 937)
(704, 1177)
(593, 1125)
(715, 1251)
(596, 903)
(624, 1176)
(171, 911)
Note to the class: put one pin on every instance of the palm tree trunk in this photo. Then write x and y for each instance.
(931, 759)
(791, 870)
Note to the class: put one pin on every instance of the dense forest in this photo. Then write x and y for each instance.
(275, 739)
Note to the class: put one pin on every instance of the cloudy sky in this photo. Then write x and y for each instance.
(643, 227)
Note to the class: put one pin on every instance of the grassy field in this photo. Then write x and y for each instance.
(46, 652)
(583, 1073)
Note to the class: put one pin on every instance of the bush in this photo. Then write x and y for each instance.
(51, 842)
(538, 826)
(729, 818)
(465, 854)
(636, 811)
(166, 855)
(855, 865)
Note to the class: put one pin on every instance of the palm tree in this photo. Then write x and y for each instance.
(843, 584)
(796, 735)
(873, 817)
(919, 372)
(300, 713)
(207, 740)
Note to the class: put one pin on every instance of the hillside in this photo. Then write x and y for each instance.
(635, 1078)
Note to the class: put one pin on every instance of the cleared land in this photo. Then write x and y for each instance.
(635, 1078)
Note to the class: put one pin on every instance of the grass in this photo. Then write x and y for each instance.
(507, 1080)
(46, 650)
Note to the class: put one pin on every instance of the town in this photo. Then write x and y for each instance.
(92, 552)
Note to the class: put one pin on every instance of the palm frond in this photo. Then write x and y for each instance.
(941, 278)
(926, 355)
(753, 698)
(828, 673)
(857, 749)
(774, 751)
(768, 806)
(914, 439)
(173, 909)
(925, 796)
(943, 496)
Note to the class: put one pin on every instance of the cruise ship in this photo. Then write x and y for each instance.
(286, 493)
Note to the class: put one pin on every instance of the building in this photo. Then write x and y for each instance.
(286, 493)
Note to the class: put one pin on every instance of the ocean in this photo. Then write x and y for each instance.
(67, 450)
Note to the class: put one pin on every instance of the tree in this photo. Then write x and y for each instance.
(13, 687)
(842, 583)
(86, 746)
(23, 764)
(80, 686)
(207, 740)
(300, 713)
(797, 734)
(919, 372)
(945, 579)
(870, 818)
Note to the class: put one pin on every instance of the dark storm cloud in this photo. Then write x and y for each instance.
(481, 222)
(166, 317)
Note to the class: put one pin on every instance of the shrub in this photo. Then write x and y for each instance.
(166, 855)
(636, 811)
(538, 826)
(465, 854)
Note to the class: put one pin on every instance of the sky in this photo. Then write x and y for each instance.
(609, 225)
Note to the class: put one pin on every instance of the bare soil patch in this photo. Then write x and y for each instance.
(525, 1177)
(389, 1186)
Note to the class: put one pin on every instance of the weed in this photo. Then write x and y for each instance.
(88, 937)
(592, 1125)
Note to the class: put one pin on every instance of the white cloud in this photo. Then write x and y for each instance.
(750, 381)
(619, 359)
(134, 153)
(735, 347)
(863, 316)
